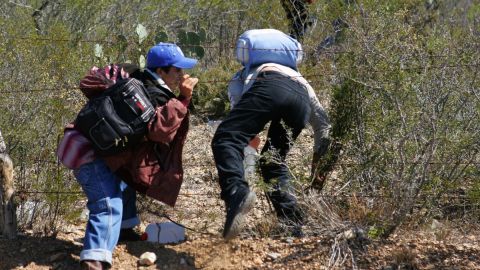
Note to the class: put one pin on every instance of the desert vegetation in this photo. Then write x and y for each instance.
(399, 80)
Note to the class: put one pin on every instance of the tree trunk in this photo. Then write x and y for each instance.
(8, 217)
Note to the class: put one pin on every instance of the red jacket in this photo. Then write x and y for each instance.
(155, 167)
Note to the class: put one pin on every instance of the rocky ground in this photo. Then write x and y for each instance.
(264, 245)
(408, 250)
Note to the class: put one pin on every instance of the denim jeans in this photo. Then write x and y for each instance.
(284, 102)
(112, 205)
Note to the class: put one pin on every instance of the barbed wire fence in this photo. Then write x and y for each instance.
(310, 78)
(26, 194)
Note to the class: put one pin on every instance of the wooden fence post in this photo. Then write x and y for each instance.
(8, 216)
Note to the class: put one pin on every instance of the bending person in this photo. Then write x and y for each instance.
(153, 166)
(268, 89)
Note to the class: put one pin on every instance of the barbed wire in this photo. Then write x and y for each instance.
(203, 45)
(324, 50)
(303, 145)
(215, 82)
(217, 194)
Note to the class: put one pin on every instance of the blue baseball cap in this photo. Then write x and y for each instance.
(168, 54)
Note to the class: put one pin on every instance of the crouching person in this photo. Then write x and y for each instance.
(269, 88)
(153, 166)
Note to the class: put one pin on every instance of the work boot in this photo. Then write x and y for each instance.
(93, 265)
(237, 206)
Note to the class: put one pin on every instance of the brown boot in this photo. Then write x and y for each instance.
(93, 265)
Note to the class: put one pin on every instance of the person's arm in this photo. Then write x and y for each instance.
(321, 127)
(169, 117)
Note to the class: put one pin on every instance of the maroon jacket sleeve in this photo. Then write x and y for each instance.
(164, 125)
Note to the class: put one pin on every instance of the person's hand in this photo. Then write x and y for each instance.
(318, 178)
(186, 85)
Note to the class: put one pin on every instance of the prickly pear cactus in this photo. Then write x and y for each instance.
(141, 32)
(161, 36)
(190, 42)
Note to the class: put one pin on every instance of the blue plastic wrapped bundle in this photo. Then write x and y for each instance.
(259, 46)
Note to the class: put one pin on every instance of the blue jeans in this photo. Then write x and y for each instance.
(272, 98)
(112, 206)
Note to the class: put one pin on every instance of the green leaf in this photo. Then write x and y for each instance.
(98, 50)
(141, 32)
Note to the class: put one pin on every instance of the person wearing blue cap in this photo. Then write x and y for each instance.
(166, 62)
(152, 167)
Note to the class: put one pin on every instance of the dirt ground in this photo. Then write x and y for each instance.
(408, 250)
(262, 246)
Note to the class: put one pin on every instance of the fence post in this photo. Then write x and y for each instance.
(8, 216)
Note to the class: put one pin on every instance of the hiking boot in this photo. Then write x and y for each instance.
(129, 235)
(238, 205)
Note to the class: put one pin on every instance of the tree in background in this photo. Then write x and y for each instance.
(298, 17)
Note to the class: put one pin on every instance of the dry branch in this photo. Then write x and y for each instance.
(8, 220)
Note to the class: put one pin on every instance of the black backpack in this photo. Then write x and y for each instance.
(116, 119)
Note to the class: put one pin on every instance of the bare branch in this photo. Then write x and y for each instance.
(20, 5)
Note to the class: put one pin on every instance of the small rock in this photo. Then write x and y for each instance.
(348, 235)
(257, 261)
(274, 255)
(147, 258)
(436, 224)
(183, 261)
(23, 250)
(289, 240)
